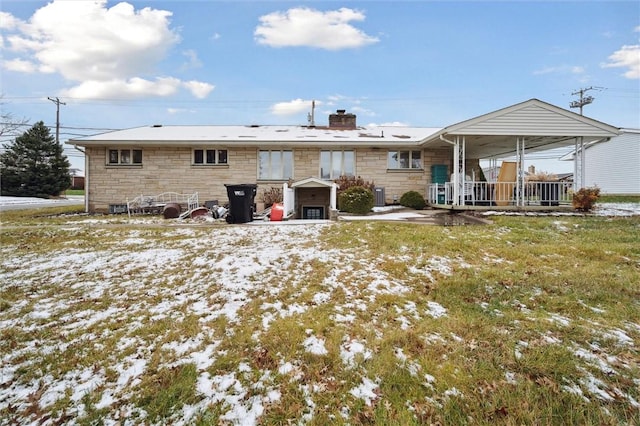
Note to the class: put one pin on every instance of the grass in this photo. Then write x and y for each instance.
(106, 319)
(619, 199)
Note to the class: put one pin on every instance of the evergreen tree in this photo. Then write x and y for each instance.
(34, 165)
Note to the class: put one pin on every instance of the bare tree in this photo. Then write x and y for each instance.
(8, 124)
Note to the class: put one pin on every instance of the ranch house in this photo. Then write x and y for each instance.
(443, 164)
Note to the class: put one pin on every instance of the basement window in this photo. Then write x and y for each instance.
(124, 157)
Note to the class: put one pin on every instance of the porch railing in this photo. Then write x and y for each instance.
(502, 194)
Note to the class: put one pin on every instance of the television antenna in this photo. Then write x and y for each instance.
(311, 116)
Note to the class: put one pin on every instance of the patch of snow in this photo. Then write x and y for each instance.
(559, 319)
(453, 392)
(619, 336)
(315, 346)
(560, 226)
(435, 310)
(366, 391)
(351, 349)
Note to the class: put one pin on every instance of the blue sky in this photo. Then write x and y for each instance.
(418, 63)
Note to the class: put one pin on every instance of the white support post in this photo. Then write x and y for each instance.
(578, 164)
(463, 171)
(456, 172)
(582, 163)
(520, 148)
(333, 204)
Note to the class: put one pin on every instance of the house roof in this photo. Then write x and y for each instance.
(256, 135)
(493, 135)
(542, 125)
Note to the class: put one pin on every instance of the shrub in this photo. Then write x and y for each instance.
(357, 200)
(345, 182)
(271, 196)
(413, 199)
(585, 198)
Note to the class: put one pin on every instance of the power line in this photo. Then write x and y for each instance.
(584, 100)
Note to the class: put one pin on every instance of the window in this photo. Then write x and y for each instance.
(404, 160)
(334, 164)
(209, 156)
(125, 156)
(275, 165)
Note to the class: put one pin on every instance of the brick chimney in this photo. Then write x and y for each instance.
(342, 120)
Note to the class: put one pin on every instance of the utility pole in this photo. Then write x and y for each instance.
(584, 100)
(58, 103)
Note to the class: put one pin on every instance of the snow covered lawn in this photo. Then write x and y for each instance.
(120, 322)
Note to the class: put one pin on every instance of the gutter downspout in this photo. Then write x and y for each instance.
(86, 179)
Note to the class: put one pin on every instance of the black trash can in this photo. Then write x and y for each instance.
(241, 199)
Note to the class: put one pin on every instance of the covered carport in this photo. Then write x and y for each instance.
(515, 131)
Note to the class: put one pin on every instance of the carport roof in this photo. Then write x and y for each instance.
(542, 125)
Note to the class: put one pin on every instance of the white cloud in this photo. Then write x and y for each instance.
(8, 21)
(112, 50)
(198, 89)
(560, 69)
(132, 88)
(192, 60)
(295, 106)
(20, 65)
(302, 26)
(626, 57)
(388, 124)
(174, 111)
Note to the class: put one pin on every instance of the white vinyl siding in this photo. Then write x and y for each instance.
(613, 166)
(532, 120)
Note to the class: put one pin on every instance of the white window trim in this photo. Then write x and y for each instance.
(331, 152)
(410, 151)
(282, 165)
(204, 157)
(119, 162)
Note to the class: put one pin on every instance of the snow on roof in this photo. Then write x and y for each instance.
(257, 133)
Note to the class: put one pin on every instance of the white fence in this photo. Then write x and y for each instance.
(502, 193)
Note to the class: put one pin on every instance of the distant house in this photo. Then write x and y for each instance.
(124, 164)
(613, 165)
(77, 180)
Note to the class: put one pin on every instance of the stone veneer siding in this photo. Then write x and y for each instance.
(170, 169)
